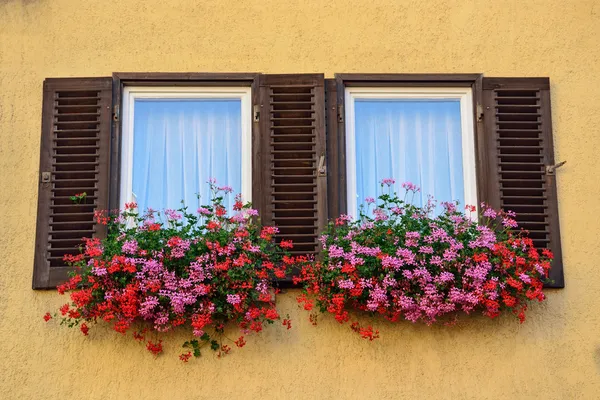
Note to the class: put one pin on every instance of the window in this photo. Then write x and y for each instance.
(175, 139)
(303, 148)
(419, 135)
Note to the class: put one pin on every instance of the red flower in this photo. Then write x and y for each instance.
(84, 329)
(154, 348)
(47, 317)
(480, 257)
(308, 305)
(342, 317)
(348, 268)
(286, 244)
(240, 342)
(154, 227)
(73, 259)
(82, 297)
(267, 232)
(121, 326)
(185, 357)
(368, 333)
(280, 273)
(212, 225)
(271, 314)
(287, 323)
(515, 283)
(64, 309)
(237, 206)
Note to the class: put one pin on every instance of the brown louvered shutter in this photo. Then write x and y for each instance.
(518, 127)
(75, 144)
(293, 142)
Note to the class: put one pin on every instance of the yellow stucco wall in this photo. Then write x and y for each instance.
(554, 355)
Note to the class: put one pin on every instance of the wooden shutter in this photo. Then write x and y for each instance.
(75, 144)
(518, 129)
(293, 142)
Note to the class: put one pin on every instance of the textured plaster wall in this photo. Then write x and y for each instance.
(554, 355)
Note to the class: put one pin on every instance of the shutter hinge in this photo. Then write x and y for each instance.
(116, 113)
(256, 113)
(340, 112)
(479, 112)
(46, 177)
(322, 169)
(550, 169)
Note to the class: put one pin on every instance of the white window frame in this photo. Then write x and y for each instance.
(463, 94)
(131, 93)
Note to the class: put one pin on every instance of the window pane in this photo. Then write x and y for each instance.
(178, 145)
(416, 141)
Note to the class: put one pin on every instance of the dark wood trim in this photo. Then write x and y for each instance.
(488, 153)
(340, 85)
(173, 78)
(557, 271)
(338, 146)
(331, 135)
(115, 145)
(258, 197)
(523, 83)
(481, 167)
(122, 79)
(41, 268)
(357, 80)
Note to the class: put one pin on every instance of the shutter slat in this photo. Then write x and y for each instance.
(519, 128)
(75, 146)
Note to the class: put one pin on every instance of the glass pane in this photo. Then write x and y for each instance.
(417, 141)
(179, 144)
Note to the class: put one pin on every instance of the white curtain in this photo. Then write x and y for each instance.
(417, 141)
(179, 145)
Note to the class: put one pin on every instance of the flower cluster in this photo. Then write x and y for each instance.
(408, 262)
(157, 271)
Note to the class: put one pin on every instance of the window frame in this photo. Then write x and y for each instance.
(132, 93)
(183, 81)
(463, 94)
(336, 135)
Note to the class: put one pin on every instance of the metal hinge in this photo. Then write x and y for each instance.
(479, 112)
(116, 113)
(340, 113)
(46, 177)
(322, 169)
(256, 113)
(550, 169)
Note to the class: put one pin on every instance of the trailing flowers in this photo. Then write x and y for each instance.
(157, 271)
(403, 261)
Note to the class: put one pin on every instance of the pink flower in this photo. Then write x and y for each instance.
(234, 299)
(203, 211)
(410, 187)
(129, 247)
(509, 223)
(172, 214)
(345, 284)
